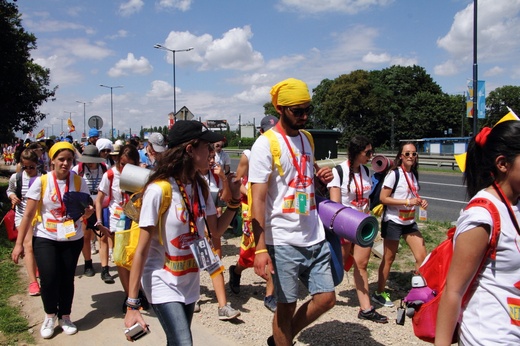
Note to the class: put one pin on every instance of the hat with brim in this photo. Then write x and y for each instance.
(90, 155)
(186, 130)
(117, 148)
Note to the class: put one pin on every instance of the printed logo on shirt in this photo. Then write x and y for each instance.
(514, 310)
(295, 183)
(184, 240)
(180, 265)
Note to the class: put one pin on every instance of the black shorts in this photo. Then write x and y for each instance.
(393, 231)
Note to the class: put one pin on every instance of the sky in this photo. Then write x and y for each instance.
(242, 48)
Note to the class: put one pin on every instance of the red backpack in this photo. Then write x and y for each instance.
(435, 270)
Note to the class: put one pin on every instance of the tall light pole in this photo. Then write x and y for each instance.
(158, 46)
(111, 107)
(84, 117)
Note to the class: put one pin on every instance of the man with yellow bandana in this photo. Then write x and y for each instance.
(288, 232)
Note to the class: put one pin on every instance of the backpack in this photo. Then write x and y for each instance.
(375, 194)
(126, 241)
(81, 168)
(434, 271)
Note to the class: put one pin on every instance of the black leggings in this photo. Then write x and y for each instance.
(57, 261)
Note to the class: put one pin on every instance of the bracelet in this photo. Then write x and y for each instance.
(260, 251)
(98, 223)
(235, 201)
(128, 308)
(233, 205)
(133, 301)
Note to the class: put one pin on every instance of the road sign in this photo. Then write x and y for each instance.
(95, 122)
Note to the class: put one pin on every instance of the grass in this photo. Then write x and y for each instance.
(13, 326)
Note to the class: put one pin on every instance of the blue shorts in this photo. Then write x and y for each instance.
(309, 264)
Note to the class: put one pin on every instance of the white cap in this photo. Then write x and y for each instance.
(418, 281)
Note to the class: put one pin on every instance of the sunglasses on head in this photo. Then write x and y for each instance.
(28, 167)
(299, 112)
(408, 153)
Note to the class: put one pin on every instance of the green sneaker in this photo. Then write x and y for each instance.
(382, 299)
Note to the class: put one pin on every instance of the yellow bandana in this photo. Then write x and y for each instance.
(59, 146)
(290, 92)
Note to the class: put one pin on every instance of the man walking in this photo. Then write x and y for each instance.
(290, 239)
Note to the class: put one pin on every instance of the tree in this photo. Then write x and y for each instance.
(498, 100)
(23, 83)
(270, 110)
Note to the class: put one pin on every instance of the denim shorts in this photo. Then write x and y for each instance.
(393, 231)
(309, 264)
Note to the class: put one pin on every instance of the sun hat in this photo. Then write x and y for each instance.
(156, 140)
(186, 130)
(90, 155)
(104, 144)
(267, 122)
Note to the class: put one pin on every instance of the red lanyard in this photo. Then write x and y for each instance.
(502, 195)
(359, 189)
(58, 192)
(192, 212)
(410, 183)
(303, 162)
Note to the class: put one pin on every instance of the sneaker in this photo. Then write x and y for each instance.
(89, 271)
(197, 307)
(227, 312)
(373, 316)
(106, 277)
(68, 327)
(234, 280)
(34, 289)
(47, 329)
(270, 303)
(382, 299)
(93, 249)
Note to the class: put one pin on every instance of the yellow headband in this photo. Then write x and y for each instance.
(290, 92)
(59, 146)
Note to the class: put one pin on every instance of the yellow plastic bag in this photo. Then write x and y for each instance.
(125, 244)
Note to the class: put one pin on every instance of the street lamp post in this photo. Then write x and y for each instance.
(158, 46)
(84, 117)
(111, 107)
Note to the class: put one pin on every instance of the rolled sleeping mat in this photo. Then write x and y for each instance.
(348, 223)
(381, 163)
(133, 178)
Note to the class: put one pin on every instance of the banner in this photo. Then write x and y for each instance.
(481, 99)
(40, 134)
(71, 126)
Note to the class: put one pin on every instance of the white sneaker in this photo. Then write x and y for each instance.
(93, 249)
(47, 329)
(68, 327)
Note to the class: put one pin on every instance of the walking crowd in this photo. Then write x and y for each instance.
(283, 236)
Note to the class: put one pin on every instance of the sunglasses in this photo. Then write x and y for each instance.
(299, 112)
(28, 167)
(369, 152)
(408, 153)
(218, 145)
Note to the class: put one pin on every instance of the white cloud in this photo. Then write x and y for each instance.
(497, 34)
(130, 65)
(131, 7)
(372, 58)
(62, 72)
(160, 90)
(254, 95)
(494, 71)
(334, 6)
(233, 51)
(447, 68)
(183, 5)
(118, 35)
(80, 48)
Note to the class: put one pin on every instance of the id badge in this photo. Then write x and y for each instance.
(361, 205)
(203, 253)
(423, 214)
(66, 229)
(301, 203)
(117, 212)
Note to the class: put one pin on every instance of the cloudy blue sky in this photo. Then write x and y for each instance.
(243, 47)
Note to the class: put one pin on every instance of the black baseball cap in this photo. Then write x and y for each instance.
(186, 130)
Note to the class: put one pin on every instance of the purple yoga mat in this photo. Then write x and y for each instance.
(348, 223)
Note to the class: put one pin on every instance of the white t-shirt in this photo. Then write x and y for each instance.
(160, 283)
(222, 158)
(116, 202)
(92, 177)
(51, 205)
(360, 179)
(214, 187)
(20, 208)
(399, 213)
(491, 316)
(283, 226)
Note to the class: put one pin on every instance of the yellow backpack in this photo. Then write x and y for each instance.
(125, 242)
